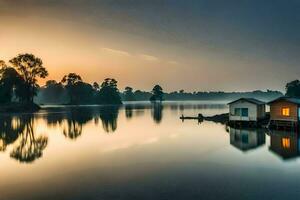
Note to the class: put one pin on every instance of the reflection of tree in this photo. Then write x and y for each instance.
(10, 129)
(128, 111)
(109, 116)
(54, 119)
(73, 129)
(29, 146)
(77, 118)
(157, 114)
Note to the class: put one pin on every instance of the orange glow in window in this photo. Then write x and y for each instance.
(285, 111)
(286, 143)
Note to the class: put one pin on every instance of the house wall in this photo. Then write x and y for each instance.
(252, 111)
(276, 111)
(261, 111)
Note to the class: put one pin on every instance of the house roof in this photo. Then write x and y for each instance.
(250, 100)
(289, 99)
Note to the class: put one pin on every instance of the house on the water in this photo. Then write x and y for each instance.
(284, 112)
(248, 110)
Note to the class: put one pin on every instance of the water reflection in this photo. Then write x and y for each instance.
(157, 112)
(19, 131)
(10, 130)
(247, 139)
(128, 111)
(284, 144)
(109, 117)
(75, 119)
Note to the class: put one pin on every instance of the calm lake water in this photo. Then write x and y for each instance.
(140, 151)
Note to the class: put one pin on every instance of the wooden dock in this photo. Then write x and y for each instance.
(222, 118)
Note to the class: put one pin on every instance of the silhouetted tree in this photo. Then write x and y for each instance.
(71, 81)
(30, 68)
(84, 93)
(2, 64)
(293, 89)
(128, 94)
(142, 95)
(96, 86)
(158, 93)
(11, 84)
(52, 92)
(109, 93)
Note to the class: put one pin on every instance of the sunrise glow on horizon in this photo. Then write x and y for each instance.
(158, 43)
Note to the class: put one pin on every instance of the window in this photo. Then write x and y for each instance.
(285, 111)
(245, 112)
(237, 111)
(241, 112)
(286, 143)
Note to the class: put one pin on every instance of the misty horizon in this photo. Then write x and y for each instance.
(195, 45)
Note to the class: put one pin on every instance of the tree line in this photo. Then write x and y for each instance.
(19, 84)
(137, 95)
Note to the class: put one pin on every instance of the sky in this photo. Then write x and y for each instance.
(195, 45)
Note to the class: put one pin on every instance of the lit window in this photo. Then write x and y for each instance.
(286, 143)
(285, 111)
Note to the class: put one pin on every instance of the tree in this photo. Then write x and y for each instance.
(293, 89)
(109, 93)
(30, 68)
(96, 86)
(128, 94)
(157, 92)
(2, 64)
(10, 84)
(52, 92)
(71, 81)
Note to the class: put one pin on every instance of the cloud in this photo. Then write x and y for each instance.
(145, 57)
(115, 51)
(173, 62)
(149, 58)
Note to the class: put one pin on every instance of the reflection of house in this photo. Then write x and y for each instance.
(247, 109)
(246, 139)
(284, 111)
(284, 144)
